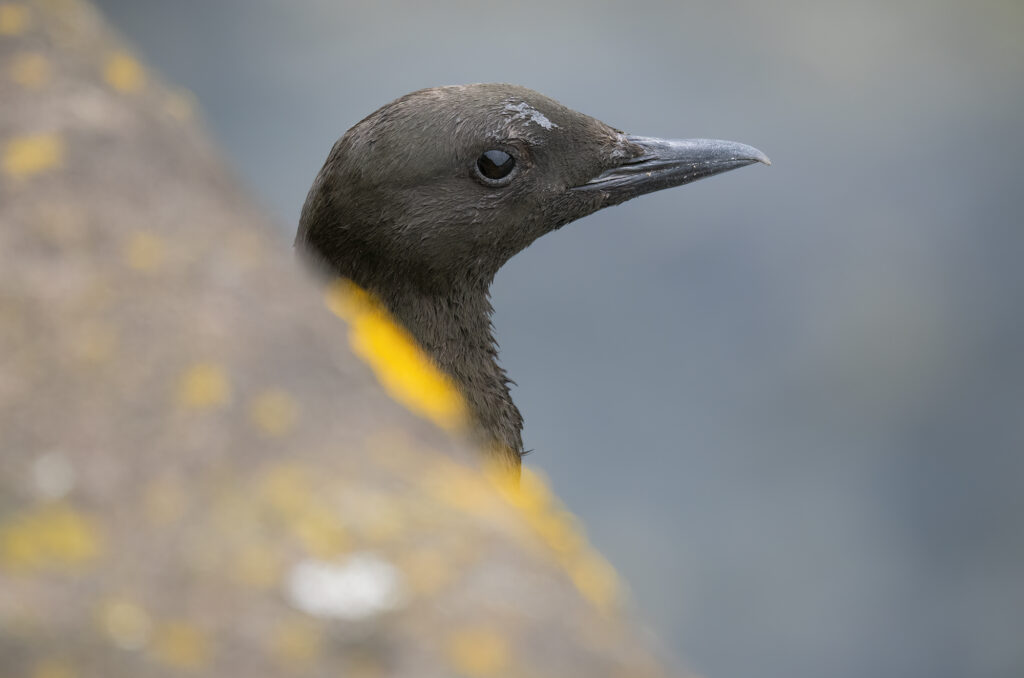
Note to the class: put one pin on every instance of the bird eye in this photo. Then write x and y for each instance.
(495, 167)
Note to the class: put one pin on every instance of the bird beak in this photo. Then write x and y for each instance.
(664, 163)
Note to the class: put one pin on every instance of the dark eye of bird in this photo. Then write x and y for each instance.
(495, 164)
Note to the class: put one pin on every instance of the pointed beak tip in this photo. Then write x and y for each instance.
(753, 154)
(664, 163)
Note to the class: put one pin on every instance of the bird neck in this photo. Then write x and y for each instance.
(454, 328)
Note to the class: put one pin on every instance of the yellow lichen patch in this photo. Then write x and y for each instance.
(28, 155)
(459, 487)
(125, 623)
(402, 367)
(592, 576)
(560, 531)
(529, 493)
(144, 251)
(321, 532)
(287, 488)
(53, 668)
(54, 537)
(180, 645)
(289, 491)
(296, 643)
(595, 579)
(124, 73)
(14, 18)
(180, 105)
(204, 386)
(405, 372)
(273, 412)
(29, 69)
(478, 652)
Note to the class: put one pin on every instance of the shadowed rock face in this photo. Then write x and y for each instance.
(424, 200)
(198, 476)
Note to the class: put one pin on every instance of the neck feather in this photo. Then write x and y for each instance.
(454, 328)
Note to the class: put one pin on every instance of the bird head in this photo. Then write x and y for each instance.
(443, 186)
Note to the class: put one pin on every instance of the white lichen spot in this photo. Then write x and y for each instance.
(527, 113)
(361, 586)
(52, 476)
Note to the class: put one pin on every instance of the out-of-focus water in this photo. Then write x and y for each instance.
(788, 402)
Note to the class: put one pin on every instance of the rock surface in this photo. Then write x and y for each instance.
(205, 472)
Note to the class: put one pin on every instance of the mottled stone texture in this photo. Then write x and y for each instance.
(197, 475)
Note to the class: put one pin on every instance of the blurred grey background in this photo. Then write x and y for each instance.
(788, 402)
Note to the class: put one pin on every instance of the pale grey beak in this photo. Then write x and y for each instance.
(664, 163)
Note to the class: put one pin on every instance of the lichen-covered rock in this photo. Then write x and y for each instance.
(205, 472)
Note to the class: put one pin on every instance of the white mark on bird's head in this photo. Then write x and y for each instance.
(361, 586)
(526, 112)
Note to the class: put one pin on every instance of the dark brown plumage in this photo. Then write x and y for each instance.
(424, 200)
